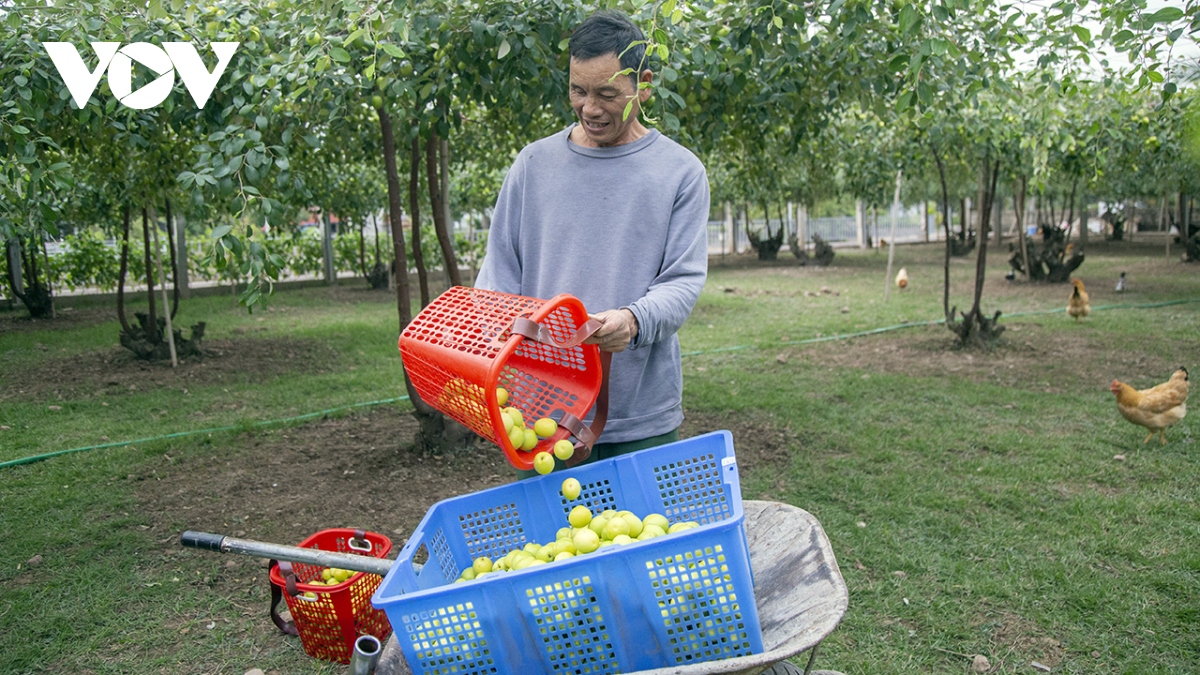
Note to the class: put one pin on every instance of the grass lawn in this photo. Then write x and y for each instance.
(989, 503)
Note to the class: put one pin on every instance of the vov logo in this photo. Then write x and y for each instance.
(118, 61)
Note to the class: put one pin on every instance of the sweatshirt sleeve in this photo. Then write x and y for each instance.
(501, 267)
(673, 293)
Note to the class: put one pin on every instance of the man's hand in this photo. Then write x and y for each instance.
(620, 326)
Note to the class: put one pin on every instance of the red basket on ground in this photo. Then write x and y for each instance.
(469, 341)
(335, 616)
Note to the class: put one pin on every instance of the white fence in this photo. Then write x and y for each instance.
(837, 230)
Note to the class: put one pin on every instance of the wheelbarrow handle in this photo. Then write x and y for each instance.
(220, 543)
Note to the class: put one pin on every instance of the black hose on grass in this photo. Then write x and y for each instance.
(840, 336)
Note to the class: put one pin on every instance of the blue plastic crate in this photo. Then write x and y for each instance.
(673, 600)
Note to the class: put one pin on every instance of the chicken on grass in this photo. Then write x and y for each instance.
(1156, 408)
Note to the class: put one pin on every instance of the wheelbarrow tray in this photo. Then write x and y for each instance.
(798, 590)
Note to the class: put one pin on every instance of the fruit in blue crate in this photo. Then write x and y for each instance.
(570, 488)
(545, 427)
(564, 449)
(580, 516)
(482, 564)
(586, 541)
(615, 526)
(543, 463)
(682, 526)
(635, 523)
(657, 519)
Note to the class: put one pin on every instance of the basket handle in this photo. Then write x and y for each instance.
(287, 627)
(586, 436)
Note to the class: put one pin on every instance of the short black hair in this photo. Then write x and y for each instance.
(610, 32)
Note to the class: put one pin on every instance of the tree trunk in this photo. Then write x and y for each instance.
(438, 205)
(362, 249)
(327, 249)
(976, 330)
(1019, 206)
(182, 282)
(151, 327)
(375, 228)
(174, 260)
(946, 226)
(1071, 211)
(414, 210)
(432, 424)
(124, 269)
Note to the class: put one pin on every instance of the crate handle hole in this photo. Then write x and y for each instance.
(419, 558)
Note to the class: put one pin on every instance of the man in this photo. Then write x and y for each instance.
(615, 214)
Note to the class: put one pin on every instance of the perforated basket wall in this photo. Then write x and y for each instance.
(459, 349)
(673, 600)
(329, 624)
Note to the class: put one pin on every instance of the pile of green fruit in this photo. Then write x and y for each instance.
(330, 576)
(587, 533)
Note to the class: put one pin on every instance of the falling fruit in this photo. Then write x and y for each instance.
(543, 463)
(564, 449)
(570, 487)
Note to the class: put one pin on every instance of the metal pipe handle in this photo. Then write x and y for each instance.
(309, 556)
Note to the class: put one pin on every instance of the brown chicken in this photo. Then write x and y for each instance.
(1156, 408)
(1078, 306)
(902, 278)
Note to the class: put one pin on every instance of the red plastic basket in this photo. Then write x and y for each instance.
(463, 346)
(330, 623)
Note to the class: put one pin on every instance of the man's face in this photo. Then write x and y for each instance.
(599, 101)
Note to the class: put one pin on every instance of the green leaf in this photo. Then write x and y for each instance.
(221, 231)
(924, 94)
(354, 36)
(504, 48)
(393, 51)
(250, 189)
(20, 129)
(1084, 35)
(778, 21)
(668, 6)
(898, 63)
(628, 109)
(340, 55)
(1165, 15)
(908, 18)
(1154, 76)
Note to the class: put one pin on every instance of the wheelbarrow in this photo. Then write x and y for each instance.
(799, 590)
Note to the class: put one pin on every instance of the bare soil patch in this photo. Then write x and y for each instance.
(1025, 358)
(116, 371)
(67, 318)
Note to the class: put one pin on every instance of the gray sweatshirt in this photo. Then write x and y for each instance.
(617, 227)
